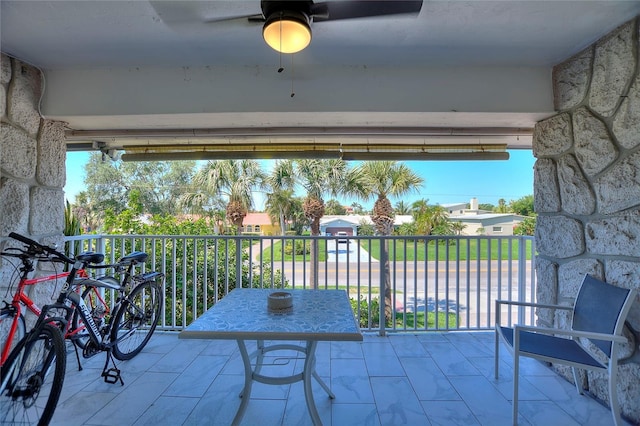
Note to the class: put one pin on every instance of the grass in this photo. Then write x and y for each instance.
(410, 319)
(407, 250)
(417, 250)
(275, 251)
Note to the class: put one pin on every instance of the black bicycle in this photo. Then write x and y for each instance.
(124, 312)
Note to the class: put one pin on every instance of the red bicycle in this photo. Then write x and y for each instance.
(84, 317)
(33, 363)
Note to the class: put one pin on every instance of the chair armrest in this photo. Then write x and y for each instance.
(570, 333)
(534, 305)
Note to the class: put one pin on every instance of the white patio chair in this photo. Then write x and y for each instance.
(598, 315)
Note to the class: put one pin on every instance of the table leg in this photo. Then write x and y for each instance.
(259, 359)
(308, 372)
(248, 379)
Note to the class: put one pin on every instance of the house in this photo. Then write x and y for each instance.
(260, 224)
(488, 223)
(331, 224)
(454, 208)
(478, 221)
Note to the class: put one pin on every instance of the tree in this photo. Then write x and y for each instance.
(280, 183)
(365, 228)
(457, 227)
(296, 216)
(382, 179)
(432, 220)
(235, 180)
(486, 206)
(522, 206)
(419, 207)
(526, 227)
(357, 208)
(502, 206)
(158, 187)
(402, 208)
(333, 207)
(319, 177)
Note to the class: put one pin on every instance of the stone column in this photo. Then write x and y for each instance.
(587, 188)
(32, 168)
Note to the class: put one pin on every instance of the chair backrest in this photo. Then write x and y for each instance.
(601, 308)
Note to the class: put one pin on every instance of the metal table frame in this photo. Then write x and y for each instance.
(318, 315)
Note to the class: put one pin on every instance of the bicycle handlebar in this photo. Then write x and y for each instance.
(37, 248)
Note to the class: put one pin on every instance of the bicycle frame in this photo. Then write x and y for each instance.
(20, 299)
(82, 308)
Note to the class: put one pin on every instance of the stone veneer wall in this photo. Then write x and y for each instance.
(587, 188)
(32, 168)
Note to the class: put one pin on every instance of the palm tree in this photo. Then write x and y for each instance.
(432, 220)
(278, 207)
(235, 180)
(280, 183)
(402, 208)
(457, 227)
(319, 177)
(383, 179)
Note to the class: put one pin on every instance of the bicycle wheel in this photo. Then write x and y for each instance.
(136, 319)
(32, 377)
(99, 311)
(7, 316)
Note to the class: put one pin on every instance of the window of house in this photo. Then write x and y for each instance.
(247, 228)
(497, 229)
(256, 228)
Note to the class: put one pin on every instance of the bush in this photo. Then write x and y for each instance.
(300, 248)
(363, 318)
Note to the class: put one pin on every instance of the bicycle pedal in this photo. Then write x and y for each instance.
(112, 376)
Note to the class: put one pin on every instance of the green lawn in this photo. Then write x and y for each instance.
(409, 250)
(410, 318)
(276, 251)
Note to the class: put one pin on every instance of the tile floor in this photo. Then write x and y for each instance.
(402, 379)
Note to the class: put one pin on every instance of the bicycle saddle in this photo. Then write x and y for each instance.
(135, 257)
(90, 257)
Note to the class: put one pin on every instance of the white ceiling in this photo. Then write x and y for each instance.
(113, 66)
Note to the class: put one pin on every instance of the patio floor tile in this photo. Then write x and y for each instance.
(421, 379)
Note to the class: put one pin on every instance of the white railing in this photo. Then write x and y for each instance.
(453, 279)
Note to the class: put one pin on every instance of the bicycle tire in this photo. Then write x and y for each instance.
(32, 378)
(78, 332)
(7, 316)
(136, 320)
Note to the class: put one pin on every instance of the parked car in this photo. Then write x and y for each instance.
(342, 237)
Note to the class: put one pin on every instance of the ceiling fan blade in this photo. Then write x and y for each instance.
(334, 10)
(256, 17)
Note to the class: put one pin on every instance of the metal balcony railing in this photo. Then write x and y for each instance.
(432, 282)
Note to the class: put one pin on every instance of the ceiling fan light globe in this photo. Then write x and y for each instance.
(287, 32)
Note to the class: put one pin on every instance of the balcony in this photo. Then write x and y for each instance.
(407, 370)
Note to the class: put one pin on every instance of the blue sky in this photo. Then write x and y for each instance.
(445, 181)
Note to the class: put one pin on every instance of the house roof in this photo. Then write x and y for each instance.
(261, 219)
(356, 219)
(484, 216)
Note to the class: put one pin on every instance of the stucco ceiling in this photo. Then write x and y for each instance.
(157, 72)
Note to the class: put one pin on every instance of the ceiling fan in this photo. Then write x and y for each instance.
(287, 23)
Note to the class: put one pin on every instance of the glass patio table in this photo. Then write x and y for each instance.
(316, 315)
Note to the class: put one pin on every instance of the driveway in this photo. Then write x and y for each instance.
(347, 252)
